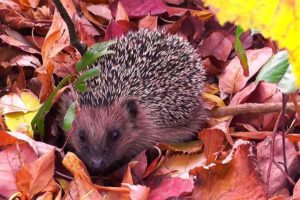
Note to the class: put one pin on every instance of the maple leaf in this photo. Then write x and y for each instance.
(276, 19)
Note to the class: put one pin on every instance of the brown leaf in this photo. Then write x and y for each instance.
(212, 139)
(149, 22)
(12, 158)
(24, 61)
(232, 79)
(20, 44)
(37, 176)
(11, 14)
(45, 77)
(235, 177)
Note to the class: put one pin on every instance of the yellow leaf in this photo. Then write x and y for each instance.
(279, 20)
(21, 121)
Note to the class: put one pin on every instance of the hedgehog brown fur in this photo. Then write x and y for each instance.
(148, 91)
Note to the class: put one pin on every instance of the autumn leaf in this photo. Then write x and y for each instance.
(19, 110)
(234, 177)
(275, 19)
(12, 159)
(37, 176)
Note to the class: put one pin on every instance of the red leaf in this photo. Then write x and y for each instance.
(113, 30)
(141, 8)
(217, 44)
(233, 80)
(163, 187)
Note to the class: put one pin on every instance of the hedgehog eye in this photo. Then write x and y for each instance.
(114, 135)
(82, 135)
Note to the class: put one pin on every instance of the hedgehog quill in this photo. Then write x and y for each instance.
(148, 92)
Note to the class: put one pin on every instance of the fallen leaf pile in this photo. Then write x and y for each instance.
(230, 159)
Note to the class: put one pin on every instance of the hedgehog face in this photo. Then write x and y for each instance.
(106, 137)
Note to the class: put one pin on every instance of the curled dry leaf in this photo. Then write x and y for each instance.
(12, 158)
(82, 179)
(212, 139)
(235, 177)
(232, 80)
(37, 176)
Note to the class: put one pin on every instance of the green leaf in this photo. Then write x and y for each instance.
(38, 122)
(274, 69)
(80, 82)
(287, 84)
(69, 116)
(240, 51)
(93, 53)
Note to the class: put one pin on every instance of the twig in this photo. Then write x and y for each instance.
(251, 108)
(72, 31)
(272, 146)
(284, 98)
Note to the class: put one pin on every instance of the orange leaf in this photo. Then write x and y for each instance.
(37, 176)
(6, 139)
(12, 158)
(235, 177)
(82, 179)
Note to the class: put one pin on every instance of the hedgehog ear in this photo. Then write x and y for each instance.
(131, 107)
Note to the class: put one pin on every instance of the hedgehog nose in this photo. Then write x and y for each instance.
(97, 163)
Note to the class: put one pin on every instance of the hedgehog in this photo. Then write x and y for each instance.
(148, 92)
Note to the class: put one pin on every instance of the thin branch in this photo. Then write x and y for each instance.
(285, 99)
(251, 108)
(72, 31)
(279, 121)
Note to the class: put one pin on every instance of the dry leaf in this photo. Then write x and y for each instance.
(235, 177)
(12, 158)
(232, 80)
